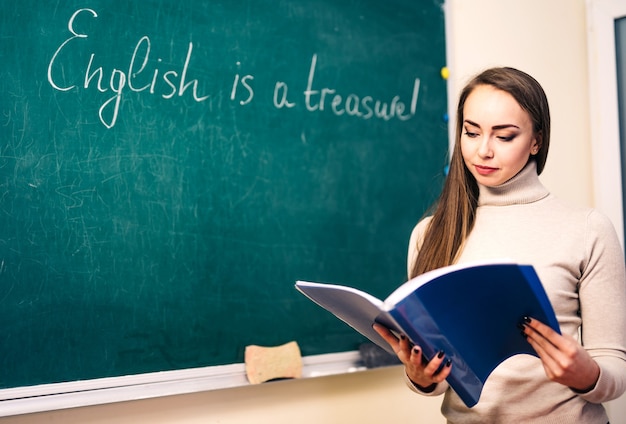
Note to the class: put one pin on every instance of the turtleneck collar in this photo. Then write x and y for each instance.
(523, 188)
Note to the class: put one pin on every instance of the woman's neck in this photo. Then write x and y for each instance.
(524, 187)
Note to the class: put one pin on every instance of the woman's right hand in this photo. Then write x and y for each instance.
(422, 373)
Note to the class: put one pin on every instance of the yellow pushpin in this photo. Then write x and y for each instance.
(445, 72)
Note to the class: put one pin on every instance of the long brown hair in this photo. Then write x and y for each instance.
(455, 210)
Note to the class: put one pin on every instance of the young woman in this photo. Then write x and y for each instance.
(494, 206)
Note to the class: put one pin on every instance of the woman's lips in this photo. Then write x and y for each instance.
(485, 170)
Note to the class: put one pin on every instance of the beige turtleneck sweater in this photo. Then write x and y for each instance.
(578, 258)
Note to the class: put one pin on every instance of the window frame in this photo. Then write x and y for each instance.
(604, 112)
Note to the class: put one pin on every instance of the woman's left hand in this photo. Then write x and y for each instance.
(564, 360)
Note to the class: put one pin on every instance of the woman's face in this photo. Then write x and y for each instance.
(497, 136)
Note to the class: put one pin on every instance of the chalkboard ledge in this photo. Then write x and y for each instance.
(48, 397)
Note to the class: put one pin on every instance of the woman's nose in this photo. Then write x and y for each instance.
(484, 149)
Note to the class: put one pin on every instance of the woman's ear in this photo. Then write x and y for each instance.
(537, 144)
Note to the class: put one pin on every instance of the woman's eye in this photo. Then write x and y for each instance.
(470, 134)
(506, 138)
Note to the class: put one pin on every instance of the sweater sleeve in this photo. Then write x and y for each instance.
(440, 388)
(602, 294)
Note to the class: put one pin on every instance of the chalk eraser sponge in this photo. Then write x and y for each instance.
(270, 363)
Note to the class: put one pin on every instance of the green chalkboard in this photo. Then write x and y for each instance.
(169, 169)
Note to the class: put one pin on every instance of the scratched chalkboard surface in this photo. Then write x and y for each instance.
(169, 169)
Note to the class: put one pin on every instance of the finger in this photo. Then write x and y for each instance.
(434, 366)
(416, 356)
(386, 334)
(554, 363)
(562, 347)
(405, 343)
(555, 355)
(542, 335)
(545, 331)
(556, 350)
(444, 372)
(546, 356)
(544, 348)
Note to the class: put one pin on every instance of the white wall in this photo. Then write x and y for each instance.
(546, 38)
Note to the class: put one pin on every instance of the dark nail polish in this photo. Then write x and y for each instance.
(448, 363)
(403, 337)
(527, 320)
(524, 335)
(416, 350)
(440, 354)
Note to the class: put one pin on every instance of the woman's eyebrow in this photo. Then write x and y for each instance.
(495, 127)
(504, 126)
(472, 123)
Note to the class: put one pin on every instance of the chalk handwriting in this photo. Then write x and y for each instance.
(365, 107)
(246, 82)
(167, 84)
(146, 74)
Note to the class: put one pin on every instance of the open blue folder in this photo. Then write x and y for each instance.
(469, 311)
